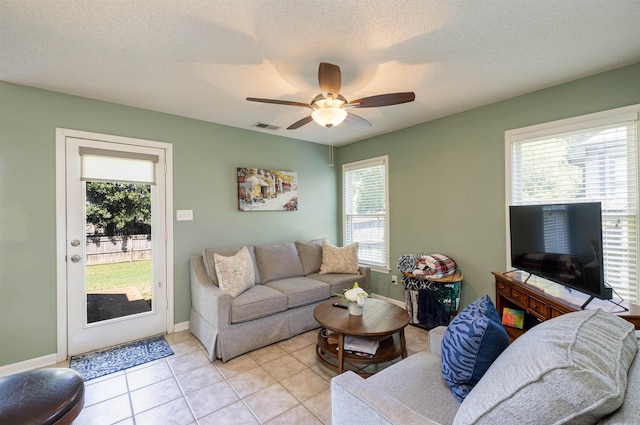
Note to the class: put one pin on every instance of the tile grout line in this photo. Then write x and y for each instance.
(279, 382)
(184, 395)
(126, 381)
(240, 398)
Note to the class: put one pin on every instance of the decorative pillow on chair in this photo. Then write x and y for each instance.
(472, 341)
(235, 274)
(572, 369)
(339, 260)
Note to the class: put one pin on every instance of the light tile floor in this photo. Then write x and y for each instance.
(279, 384)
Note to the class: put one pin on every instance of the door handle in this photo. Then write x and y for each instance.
(76, 258)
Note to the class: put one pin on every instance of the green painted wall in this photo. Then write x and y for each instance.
(447, 185)
(205, 159)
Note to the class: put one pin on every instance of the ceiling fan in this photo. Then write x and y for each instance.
(330, 108)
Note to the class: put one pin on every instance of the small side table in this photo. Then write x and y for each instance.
(445, 289)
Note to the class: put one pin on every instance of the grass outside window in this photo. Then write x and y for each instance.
(102, 277)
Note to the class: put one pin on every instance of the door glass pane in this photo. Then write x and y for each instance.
(118, 250)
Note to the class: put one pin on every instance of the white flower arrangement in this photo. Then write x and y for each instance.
(354, 295)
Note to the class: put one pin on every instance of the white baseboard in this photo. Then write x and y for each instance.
(391, 300)
(52, 359)
(37, 363)
(179, 327)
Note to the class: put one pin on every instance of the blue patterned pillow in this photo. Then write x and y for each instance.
(472, 341)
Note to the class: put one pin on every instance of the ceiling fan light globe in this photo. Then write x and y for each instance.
(329, 117)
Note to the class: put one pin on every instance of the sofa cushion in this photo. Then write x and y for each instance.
(338, 282)
(278, 261)
(472, 341)
(571, 369)
(301, 290)
(629, 412)
(257, 302)
(339, 259)
(417, 382)
(235, 273)
(310, 254)
(210, 264)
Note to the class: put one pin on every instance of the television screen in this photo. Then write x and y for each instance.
(560, 242)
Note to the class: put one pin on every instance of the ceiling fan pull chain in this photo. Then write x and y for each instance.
(330, 147)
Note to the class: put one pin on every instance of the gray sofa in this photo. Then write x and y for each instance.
(288, 286)
(579, 368)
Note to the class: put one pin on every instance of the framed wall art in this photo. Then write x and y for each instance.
(267, 190)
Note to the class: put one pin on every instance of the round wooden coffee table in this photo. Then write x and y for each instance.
(379, 319)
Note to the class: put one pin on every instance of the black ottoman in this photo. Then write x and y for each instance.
(41, 397)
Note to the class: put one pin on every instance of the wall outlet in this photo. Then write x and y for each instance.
(184, 215)
(394, 279)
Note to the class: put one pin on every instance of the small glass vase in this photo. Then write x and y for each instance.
(355, 309)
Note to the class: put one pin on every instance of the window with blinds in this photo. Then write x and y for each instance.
(365, 207)
(587, 159)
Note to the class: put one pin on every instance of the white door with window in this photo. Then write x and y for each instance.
(115, 253)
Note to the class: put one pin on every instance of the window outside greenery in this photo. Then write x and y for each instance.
(591, 160)
(365, 189)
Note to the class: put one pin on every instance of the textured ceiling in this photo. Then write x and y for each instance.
(201, 59)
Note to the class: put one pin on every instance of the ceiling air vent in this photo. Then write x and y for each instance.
(265, 126)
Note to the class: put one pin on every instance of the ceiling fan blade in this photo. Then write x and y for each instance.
(279, 102)
(384, 100)
(356, 121)
(329, 79)
(300, 123)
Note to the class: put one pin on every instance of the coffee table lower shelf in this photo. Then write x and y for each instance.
(390, 349)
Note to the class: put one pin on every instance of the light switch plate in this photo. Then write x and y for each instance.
(184, 215)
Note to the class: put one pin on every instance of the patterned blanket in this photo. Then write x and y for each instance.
(448, 294)
(427, 265)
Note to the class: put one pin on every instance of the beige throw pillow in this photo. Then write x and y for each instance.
(235, 274)
(339, 260)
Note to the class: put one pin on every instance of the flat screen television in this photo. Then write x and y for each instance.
(561, 243)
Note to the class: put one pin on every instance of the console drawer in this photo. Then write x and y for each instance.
(503, 288)
(555, 312)
(519, 296)
(538, 308)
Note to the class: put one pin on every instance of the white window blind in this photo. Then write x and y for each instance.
(115, 166)
(555, 225)
(365, 205)
(588, 162)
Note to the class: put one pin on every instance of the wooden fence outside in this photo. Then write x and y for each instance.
(117, 249)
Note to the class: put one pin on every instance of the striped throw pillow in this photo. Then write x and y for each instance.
(472, 341)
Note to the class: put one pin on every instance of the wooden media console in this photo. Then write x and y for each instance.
(543, 300)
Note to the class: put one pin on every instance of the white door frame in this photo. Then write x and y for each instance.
(61, 226)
